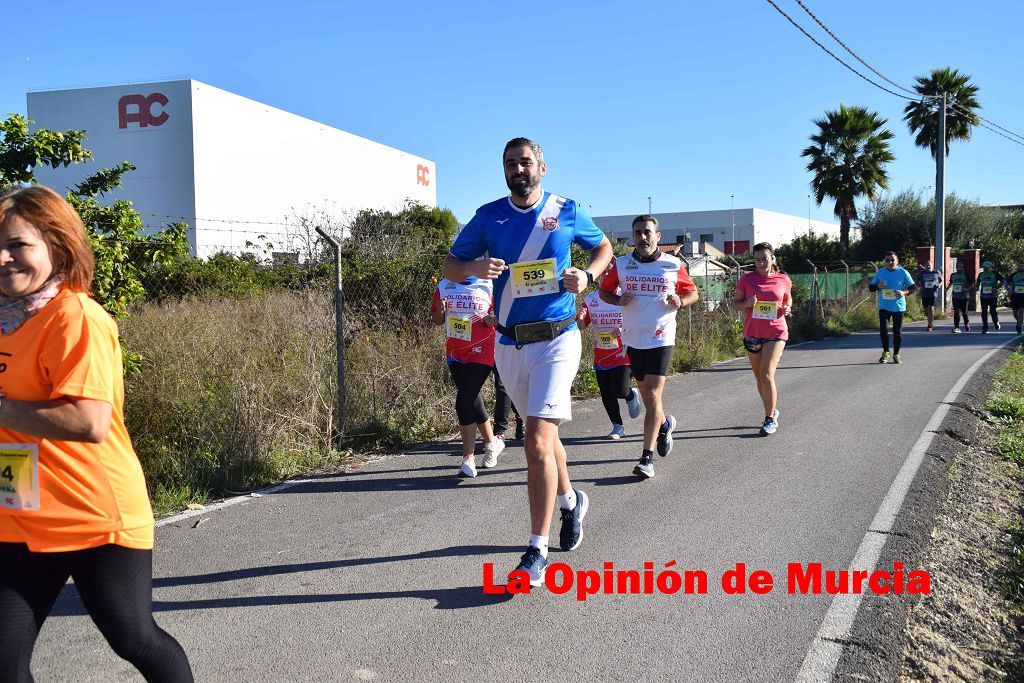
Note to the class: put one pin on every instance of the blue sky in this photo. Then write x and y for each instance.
(685, 102)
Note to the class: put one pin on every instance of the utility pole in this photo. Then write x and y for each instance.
(732, 207)
(650, 209)
(940, 207)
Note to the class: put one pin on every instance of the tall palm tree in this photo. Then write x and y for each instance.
(922, 117)
(848, 158)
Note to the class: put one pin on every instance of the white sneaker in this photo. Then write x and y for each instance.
(633, 403)
(468, 469)
(775, 415)
(491, 452)
(618, 431)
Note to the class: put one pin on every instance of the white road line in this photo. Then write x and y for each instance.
(174, 519)
(819, 665)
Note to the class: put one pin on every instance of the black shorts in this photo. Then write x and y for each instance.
(1017, 301)
(649, 361)
(927, 299)
(755, 344)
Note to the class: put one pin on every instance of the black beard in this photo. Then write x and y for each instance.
(522, 190)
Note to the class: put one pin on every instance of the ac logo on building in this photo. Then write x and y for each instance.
(139, 109)
(422, 175)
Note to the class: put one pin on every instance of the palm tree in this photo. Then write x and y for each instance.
(923, 117)
(848, 158)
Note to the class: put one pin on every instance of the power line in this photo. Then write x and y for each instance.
(833, 55)
(858, 58)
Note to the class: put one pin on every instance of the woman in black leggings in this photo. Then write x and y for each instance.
(611, 364)
(73, 499)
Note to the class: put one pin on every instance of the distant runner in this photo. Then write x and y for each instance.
(989, 282)
(611, 364)
(765, 295)
(1016, 282)
(929, 280)
(960, 286)
(654, 287)
(465, 310)
(893, 284)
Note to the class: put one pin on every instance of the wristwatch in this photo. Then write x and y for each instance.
(590, 277)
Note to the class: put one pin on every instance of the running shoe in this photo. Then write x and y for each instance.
(929, 328)
(998, 327)
(967, 327)
(633, 403)
(618, 431)
(665, 436)
(775, 414)
(534, 564)
(520, 429)
(896, 359)
(956, 330)
(468, 469)
(571, 533)
(645, 468)
(769, 426)
(884, 358)
(984, 330)
(491, 452)
(1018, 329)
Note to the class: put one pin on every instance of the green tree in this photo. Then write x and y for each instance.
(922, 117)
(848, 158)
(21, 151)
(793, 257)
(121, 247)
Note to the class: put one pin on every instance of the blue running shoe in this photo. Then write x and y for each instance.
(571, 534)
(665, 436)
(534, 564)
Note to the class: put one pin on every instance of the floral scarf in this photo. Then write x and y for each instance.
(14, 311)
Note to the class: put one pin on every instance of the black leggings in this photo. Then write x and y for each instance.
(502, 404)
(988, 305)
(960, 308)
(116, 587)
(469, 379)
(897, 329)
(614, 384)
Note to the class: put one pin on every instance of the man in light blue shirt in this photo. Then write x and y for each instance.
(893, 284)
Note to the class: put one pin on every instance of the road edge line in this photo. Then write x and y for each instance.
(823, 656)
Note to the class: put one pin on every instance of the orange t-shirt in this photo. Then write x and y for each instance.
(88, 494)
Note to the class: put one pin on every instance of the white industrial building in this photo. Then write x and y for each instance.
(693, 229)
(234, 169)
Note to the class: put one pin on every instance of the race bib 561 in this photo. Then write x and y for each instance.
(766, 310)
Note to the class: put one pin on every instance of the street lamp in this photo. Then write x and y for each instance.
(732, 207)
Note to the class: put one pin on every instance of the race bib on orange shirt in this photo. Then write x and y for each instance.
(19, 476)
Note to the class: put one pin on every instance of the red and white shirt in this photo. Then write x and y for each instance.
(648, 321)
(607, 321)
(466, 304)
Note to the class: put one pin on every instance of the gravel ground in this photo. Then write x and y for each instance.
(967, 630)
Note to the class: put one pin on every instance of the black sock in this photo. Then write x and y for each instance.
(647, 454)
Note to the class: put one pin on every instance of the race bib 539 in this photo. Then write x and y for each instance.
(534, 278)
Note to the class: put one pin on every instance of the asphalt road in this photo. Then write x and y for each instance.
(377, 574)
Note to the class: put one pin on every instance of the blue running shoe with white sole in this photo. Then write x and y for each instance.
(534, 564)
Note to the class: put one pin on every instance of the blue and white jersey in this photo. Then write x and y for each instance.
(538, 238)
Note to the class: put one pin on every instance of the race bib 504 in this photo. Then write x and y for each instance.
(460, 328)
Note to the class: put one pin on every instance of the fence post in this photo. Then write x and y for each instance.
(339, 324)
(814, 288)
(847, 284)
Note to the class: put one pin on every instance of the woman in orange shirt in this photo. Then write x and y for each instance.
(73, 499)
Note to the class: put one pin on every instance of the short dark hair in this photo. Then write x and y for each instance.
(523, 142)
(892, 253)
(644, 218)
(764, 246)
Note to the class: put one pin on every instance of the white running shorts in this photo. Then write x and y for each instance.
(538, 377)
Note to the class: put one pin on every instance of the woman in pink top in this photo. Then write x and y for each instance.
(766, 296)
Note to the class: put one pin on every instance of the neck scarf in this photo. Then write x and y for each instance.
(15, 310)
(647, 259)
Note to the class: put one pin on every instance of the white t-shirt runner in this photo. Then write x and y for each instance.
(648, 321)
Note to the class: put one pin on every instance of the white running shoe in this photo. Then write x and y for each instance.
(491, 452)
(468, 469)
(633, 403)
(775, 415)
(618, 431)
